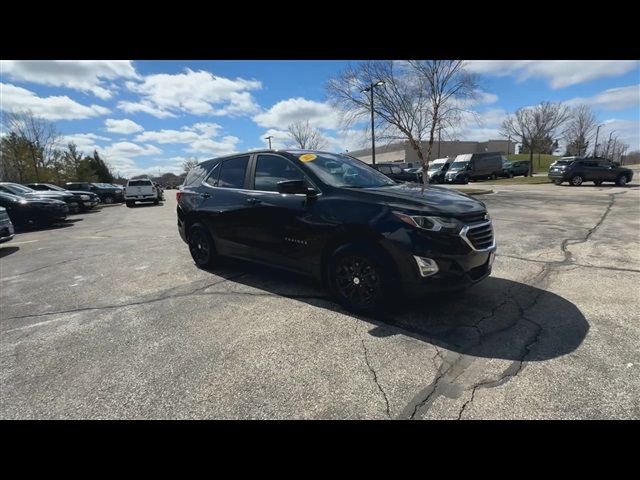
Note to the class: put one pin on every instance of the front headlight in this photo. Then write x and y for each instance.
(430, 223)
(85, 197)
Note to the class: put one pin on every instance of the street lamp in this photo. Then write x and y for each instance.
(595, 145)
(609, 144)
(269, 138)
(373, 137)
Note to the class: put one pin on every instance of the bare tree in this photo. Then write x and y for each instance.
(41, 134)
(450, 89)
(536, 125)
(189, 164)
(73, 159)
(401, 105)
(580, 129)
(305, 136)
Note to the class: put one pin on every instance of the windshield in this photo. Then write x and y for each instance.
(18, 189)
(55, 187)
(562, 163)
(435, 166)
(343, 171)
(459, 165)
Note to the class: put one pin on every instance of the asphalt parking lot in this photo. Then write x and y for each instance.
(108, 317)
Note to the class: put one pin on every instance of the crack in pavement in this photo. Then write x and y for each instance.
(562, 262)
(375, 378)
(516, 367)
(106, 307)
(51, 265)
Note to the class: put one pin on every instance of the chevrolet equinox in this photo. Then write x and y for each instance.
(361, 234)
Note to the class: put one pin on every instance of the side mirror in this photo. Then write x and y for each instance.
(296, 187)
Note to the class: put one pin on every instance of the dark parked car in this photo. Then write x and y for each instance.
(520, 167)
(107, 192)
(576, 170)
(69, 198)
(86, 200)
(6, 227)
(395, 172)
(33, 212)
(331, 216)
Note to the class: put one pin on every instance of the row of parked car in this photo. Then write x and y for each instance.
(461, 169)
(36, 205)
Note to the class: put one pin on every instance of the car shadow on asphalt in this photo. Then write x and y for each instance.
(497, 318)
(6, 251)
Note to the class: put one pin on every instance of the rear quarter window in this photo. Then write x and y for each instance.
(195, 175)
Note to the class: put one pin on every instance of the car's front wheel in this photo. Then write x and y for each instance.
(108, 199)
(621, 181)
(130, 204)
(558, 182)
(201, 246)
(358, 280)
(597, 183)
(576, 180)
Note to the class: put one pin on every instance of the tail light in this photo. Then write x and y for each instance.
(178, 195)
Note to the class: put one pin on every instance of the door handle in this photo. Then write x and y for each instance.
(253, 201)
(205, 195)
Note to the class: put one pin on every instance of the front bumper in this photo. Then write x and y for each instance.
(455, 273)
(458, 178)
(6, 233)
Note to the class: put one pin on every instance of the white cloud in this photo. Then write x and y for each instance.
(627, 131)
(83, 75)
(51, 108)
(558, 73)
(198, 136)
(86, 142)
(194, 92)
(285, 112)
(124, 126)
(479, 127)
(611, 99)
(130, 149)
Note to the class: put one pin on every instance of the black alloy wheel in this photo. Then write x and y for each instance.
(358, 282)
(201, 246)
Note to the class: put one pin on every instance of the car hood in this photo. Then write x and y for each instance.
(50, 193)
(80, 192)
(430, 199)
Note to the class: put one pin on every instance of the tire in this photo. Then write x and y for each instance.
(201, 246)
(358, 279)
(156, 202)
(576, 181)
(130, 204)
(526, 174)
(558, 182)
(108, 199)
(621, 181)
(597, 183)
(493, 176)
(510, 175)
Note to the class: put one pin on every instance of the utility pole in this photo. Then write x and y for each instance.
(606, 155)
(373, 136)
(595, 146)
(269, 138)
(439, 139)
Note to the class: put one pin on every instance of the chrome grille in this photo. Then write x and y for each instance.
(479, 236)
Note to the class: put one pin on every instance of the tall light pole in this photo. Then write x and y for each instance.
(595, 145)
(606, 155)
(269, 138)
(373, 136)
(439, 138)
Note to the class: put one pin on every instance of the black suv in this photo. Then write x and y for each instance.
(576, 170)
(108, 193)
(335, 218)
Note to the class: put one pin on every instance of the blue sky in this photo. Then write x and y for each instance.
(146, 116)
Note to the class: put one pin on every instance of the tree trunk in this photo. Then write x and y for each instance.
(531, 161)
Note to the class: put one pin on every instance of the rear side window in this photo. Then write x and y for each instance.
(232, 172)
(605, 164)
(396, 170)
(196, 175)
(139, 183)
(385, 169)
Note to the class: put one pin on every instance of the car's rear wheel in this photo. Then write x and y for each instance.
(358, 279)
(621, 180)
(130, 204)
(108, 199)
(597, 182)
(576, 180)
(510, 175)
(156, 202)
(558, 182)
(201, 246)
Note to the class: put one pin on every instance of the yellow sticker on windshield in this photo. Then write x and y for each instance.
(308, 157)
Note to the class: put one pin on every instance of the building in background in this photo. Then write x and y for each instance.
(403, 154)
